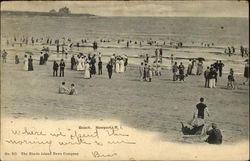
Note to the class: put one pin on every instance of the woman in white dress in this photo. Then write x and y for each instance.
(26, 64)
(81, 64)
(121, 66)
(86, 72)
(77, 63)
(194, 70)
(117, 66)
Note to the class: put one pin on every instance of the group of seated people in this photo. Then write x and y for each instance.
(197, 126)
(65, 90)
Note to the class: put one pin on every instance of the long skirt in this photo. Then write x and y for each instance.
(199, 70)
(121, 67)
(117, 67)
(26, 67)
(86, 74)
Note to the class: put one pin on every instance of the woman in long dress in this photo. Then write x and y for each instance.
(41, 62)
(189, 70)
(199, 68)
(25, 67)
(117, 66)
(30, 64)
(121, 65)
(86, 72)
(194, 68)
(77, 63)
(81, 64)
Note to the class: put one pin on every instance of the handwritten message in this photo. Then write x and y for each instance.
(54, 140)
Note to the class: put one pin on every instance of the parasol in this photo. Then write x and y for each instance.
(200, 59)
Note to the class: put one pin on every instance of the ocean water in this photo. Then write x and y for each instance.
(220, 31)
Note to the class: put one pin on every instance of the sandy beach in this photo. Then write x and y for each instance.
(158, 106)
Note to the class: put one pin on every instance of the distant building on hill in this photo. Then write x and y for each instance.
(64, 11)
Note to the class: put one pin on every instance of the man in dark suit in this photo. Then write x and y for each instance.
(110, 68)
(206, 75)
(62, 66)
(73, 62)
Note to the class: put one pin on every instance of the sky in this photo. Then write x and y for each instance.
(138, 8)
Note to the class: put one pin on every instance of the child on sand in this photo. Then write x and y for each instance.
(63, 89)
(72, 90)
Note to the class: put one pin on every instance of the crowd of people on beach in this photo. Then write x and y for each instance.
(86, 63)
(147, 70)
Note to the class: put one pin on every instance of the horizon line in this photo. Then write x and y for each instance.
(135, 15)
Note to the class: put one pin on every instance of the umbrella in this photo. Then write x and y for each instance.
(29, 52)
(45, 49)
(200, 59)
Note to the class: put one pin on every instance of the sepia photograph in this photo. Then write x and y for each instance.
(124, 80)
